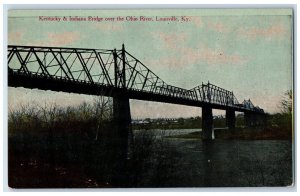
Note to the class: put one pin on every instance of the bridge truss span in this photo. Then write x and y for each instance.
(107, 72)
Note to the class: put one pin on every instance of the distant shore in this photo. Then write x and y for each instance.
(239, 133)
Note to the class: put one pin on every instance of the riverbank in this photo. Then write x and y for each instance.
(272, 133)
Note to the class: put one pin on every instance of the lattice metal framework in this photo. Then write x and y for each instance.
(117, 69)
(213, 94)
(249, 105)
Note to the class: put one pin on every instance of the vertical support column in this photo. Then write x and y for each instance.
(122, 123)
(207, 123)
(247, 119)
(250, 119)
(116, 68)
(265, 119)
(254, 120)
(120, 138)
(261, 119)
(230, 118)
(123, 68)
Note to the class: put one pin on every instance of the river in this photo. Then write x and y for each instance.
(223, 163)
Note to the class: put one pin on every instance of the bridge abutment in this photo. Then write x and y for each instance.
(230, 118)
(207, 123)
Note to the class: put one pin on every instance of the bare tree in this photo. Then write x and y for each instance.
(49, 114)
(103, 112)
(287, 102)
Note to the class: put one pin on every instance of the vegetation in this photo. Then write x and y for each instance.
(285, 117)
(48, 143)
(184, 123)
(281, 124)
(52, 146)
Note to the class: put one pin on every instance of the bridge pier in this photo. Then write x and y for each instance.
(230, 118)
(250, 119)
(261, 119)
(120, 137)
(207, 123)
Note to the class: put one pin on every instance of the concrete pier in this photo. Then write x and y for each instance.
(250, 119)
(120, 138)
(207, 123)
(230, 119)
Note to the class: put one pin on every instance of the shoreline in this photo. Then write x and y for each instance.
(242, 134)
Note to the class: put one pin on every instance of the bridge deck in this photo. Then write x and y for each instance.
(61, 85)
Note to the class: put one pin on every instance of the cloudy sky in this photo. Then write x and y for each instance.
(247, 51)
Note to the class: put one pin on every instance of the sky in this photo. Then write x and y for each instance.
(248, 52)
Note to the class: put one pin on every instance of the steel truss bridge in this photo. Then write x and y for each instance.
(118, 74)
(109, 73)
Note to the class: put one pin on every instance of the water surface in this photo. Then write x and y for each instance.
(230, 163)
